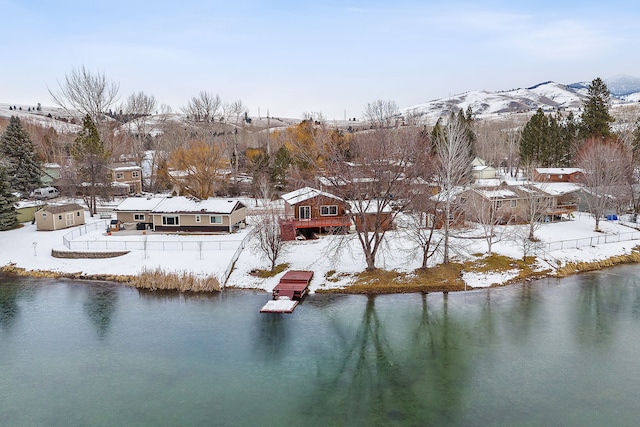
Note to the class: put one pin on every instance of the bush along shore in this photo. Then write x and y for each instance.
(442, 278)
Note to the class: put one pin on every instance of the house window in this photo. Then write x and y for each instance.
(514, 203)
(197, 218)
(215, 219)
(119, 175)
(498, 204)
(304, 212)
(135, 174)
(171, 220)
(60, 217)
(329, 210)
(78, 213)
(138, 217)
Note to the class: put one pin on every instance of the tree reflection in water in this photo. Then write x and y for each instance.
(11, 292)
(604, 300)
(381, 383)
(99, 306)
(272, 337)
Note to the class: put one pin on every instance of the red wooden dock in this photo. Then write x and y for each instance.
(293, 286)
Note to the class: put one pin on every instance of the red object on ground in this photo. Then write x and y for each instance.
(294, 285)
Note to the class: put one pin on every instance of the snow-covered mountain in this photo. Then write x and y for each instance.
(620, 86)
(549, 96)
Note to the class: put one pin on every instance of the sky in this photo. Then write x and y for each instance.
(292, 58)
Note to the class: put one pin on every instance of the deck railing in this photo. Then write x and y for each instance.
(334, 221)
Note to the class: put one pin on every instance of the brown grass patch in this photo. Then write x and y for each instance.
(159, 279)
(265, 274)
(577, 267)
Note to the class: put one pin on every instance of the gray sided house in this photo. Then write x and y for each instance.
(183, 214)
(56, 217)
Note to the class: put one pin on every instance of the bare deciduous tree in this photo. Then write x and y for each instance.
(383, 164)
(203, 107)
(138, 109)
(381, 114)
(487, 213)
(606, 167)
(419, 224)
(85, 92)
(452, 153)
(267, 237)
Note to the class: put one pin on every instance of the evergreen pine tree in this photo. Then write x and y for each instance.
(595, 115)
(533, 138)
(547, 140)
(8, 218)
(281, 163)
(23, 169)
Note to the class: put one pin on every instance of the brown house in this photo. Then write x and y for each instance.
(557, 175)
(57, 217)
(308, 211)
(518, 203)
(182, 214)
(369, 215)
(125, 173)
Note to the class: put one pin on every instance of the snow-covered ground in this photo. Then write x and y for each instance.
(339, 256)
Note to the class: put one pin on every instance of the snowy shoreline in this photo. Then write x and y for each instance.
(334, 260)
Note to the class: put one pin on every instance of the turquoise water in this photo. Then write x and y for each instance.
(554, 352)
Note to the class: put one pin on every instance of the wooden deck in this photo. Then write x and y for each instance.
(293, 286)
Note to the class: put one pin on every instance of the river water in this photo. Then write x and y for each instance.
(552, 352)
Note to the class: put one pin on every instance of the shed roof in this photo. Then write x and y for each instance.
(56, 209)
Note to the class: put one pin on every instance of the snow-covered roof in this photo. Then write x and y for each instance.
(368, 206)
(191, 205)
(178, 204)
(557, 171)
(138, 204)
(305, 193)
(122, 167)
(558, 188)
(503, 193)
(487, 182)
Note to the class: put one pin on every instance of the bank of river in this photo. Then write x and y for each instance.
(549, 352)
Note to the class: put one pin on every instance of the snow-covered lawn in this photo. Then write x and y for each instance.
(333, 259)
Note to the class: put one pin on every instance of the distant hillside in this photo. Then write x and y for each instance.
(620, 86)
(549, 96)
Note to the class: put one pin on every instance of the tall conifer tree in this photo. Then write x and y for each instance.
(596, 119)
(23, 169)
(8, 218)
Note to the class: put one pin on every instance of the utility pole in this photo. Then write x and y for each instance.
(268, 135)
